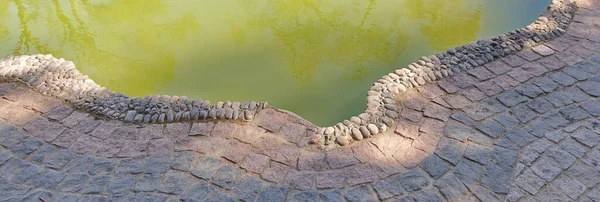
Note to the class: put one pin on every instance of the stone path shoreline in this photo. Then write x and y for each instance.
(522, 128)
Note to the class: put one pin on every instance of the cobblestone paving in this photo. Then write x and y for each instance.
(523, 128)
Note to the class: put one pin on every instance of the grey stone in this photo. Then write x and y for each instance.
(491, 128)
(183, 160)
(121, 185)
(577, 73)
(274, 193)
(97, 198)
(450, 150)
(57, 159)
(529, 90)
(585, 174)
(10, 136)
(573, 147)
(546, 84)
(26, 173)
(451, 187)
(511, 98)
(158, 163)
(226, 176)
(551, 193)
(546, 168)
(148, 182)
(40, 154)
(501, 173)
(97, 185)
(594, 194)
(65, 197)
(559, 99)
(206, 167)
(360, 193)
(586, 137)
(573, 113)
(79, 164)
(435, 166)
(27, 146)
(477, 153)
(593, 159)
(463, 118)
(175, 183)
(49, 179)
(414, 180)
(248, 189)
(221, 198)
(428, 196)
(37, 195)
(507, 120)
(523, 113)
(530, 182)
(590, 87)
(556, 136)
(458, 131)
(592, 107)
(387, 188)
(150, 197)
(520, 136)
(540, 105)
(131, 165)
(102, 166)
(10, 191)
(468, 172)
(332, 196)
(562, 78)
(563, 158)
(506, 143)
(73, 183)
(305, 196)
(493, 185)
(576, 94)
(540, 145)
(569, 186)
(553, 119)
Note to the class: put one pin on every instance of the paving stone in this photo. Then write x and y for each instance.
(543, 50)
(586, 137)
(175, 183)
(562, 78)
(293, 132)
(176, 130)
(593, 158)
(226, 176)
(498, 67)
(450, 150)
(511, 98)
(121, 185)
(463, 118)
(491, 128)
(65, 197)
(559, 99)
(102, 166)
(513, 60)
(131, 165)
(540, 105)
(484, 109)
(592, 107)
(573, 113)
(97, 198)
(414, 180)
(493, 185)
(148, 182)
(427, 196)
(97, 185)
(236, 151)
(551, 193)
(457, 101)
(150, 197)
(200, 190)
(505, 143)
(158, 163)
(26, 173)
(458, 131)
(27, 146)
(255, 163)
(451, 187)
(332, 196)
(520, 74)
(573, 147)
(49, 179)
(37, 194)
(183, 160)
(489, 88)
(584, 173)
(473, 94)
(79, 164)
(10, 136)
(436, 111)
(435, 166)
(577, 73)
(530, 182)
(248, 189)
(569, 186)
(590, 87)
(477, 153)
(546, 84)
(546, 168)
(590, 66)
(520, 136)
(387, 188)
(529, 90)
(305, 196)
(303, 180)
(481, 73)
(340, 158)
(468, 171)
(506, 119)
(562, 157)
(360, 193)
(448, 86)
(274, 193)
(312, 160)
(276, 172)
(73, 183)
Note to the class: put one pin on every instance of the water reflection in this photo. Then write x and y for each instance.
(316, 58)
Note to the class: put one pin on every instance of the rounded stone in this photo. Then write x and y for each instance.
(229, 113)
(202, 114)
(364, 132)
(317, 139)
(382, 127)
(329, 131)
(248, 115)
(355, 120)
(342, 140)
(373, 129)
(355, 133)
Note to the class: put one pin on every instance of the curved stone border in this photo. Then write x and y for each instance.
(60, 78)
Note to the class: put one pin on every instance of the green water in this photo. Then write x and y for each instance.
(316, 58)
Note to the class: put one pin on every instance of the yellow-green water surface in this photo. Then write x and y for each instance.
(316, 58)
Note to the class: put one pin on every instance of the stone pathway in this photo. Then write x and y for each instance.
(523, 128)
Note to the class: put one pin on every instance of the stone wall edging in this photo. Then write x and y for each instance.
(60, 78)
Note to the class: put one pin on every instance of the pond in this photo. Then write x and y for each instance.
(316, 58)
